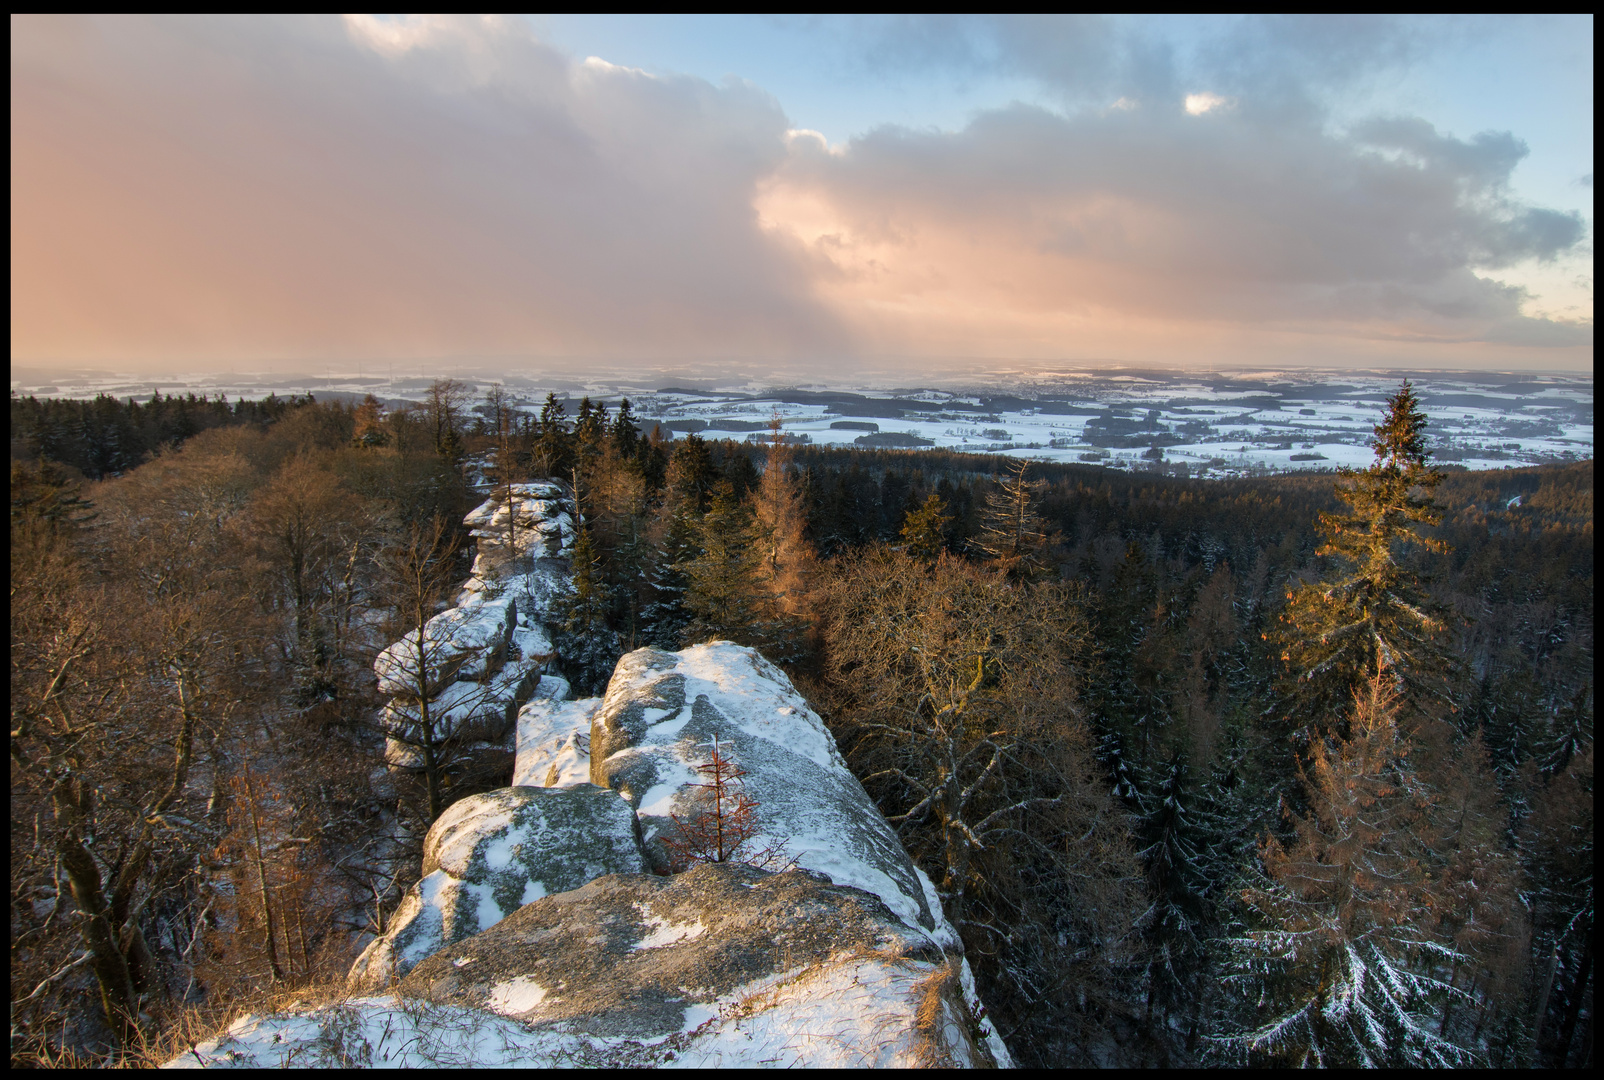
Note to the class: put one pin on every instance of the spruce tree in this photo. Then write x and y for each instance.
(689, 479)
(1173, 924)
(691, 473)
(1372, 614)
(585, 641)
(724, 581)
(925, 530)
(625, 432)
(553, 446)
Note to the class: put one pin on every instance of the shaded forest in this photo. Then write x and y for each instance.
(1275, 771)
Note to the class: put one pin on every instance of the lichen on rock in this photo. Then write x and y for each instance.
(488, 855)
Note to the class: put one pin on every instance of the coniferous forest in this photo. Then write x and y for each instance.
(1292, 770)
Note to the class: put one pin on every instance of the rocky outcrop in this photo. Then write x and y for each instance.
(716, 959)
(535, 522)
(491, 854)
(723, 965)
(555, 925)
(461, 643)
(476, 663)
(658, 721)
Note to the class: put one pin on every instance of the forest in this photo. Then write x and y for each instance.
(1290, 770)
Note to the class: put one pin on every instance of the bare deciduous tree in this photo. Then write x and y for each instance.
(955, 694)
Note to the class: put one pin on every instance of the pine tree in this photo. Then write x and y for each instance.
(1372, 615)
(925, 530)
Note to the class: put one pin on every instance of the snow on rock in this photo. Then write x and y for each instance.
(721, 965)
(532, 643)
(553, 747)
(460, 643)
(465, 711)
(481, 660)
(534, 500)
(542, 588)
(536, 938)
(524, 545)
(535, 522)
(657, 722)
(488, 855)
(375, 1033)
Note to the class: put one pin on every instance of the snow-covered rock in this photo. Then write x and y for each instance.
(534, 523)
(721, 965)
(553, 748)
(469, 712)
(538, 586)
(537, 939)
(532, 501)
(531, 643)
(487, 856)
(468, 642)
(657, 722)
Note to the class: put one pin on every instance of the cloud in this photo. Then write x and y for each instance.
(229, 187)
(1198, 104)
(1052, 230)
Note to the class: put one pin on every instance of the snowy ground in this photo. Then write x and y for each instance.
(1216, 424)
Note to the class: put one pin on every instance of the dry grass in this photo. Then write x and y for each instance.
(930, 1016)
(163, 1038)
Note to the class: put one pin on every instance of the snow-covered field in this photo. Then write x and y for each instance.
(1215, 424)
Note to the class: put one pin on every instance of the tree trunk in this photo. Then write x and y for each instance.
(117, 997)
(1573, 1003)
(261, 878)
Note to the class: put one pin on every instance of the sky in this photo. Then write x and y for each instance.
(820, 194)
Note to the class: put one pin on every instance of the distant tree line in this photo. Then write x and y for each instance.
(108, 435)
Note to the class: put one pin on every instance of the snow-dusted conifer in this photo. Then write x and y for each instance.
(1372, 615)
(1347, 960)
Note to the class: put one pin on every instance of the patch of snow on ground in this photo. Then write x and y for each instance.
(382, 1033)
(665, 932)
(516, 996)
